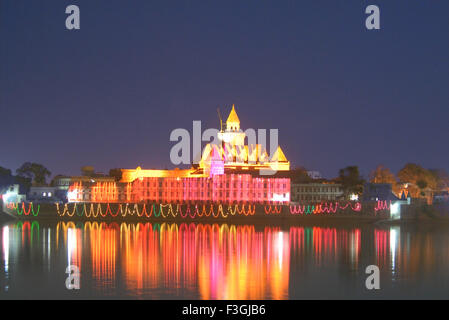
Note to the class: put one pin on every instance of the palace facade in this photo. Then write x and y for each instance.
(228, 172)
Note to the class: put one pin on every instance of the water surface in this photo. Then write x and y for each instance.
(222, 261)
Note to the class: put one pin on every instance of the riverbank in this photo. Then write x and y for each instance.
(346, 212)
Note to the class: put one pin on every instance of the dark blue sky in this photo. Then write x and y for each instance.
(109, 94)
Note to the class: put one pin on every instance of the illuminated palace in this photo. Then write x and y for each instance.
(228, 172)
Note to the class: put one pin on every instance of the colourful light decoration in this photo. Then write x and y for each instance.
(168, 210)
(65, 210)
(324, 208)
(160, 209)
(78, 211)
(269, 209)
(20, 209)
(11, 205)
(198, 210)
(25, 212)
(382, 205)
(91, 211)
(108, 209)
(185, 215)
(143, 211)
(32, 209)
(148, 214)
(225, 188)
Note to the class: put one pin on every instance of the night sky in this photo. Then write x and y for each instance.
(109, 94)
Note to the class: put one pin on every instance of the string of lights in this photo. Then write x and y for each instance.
(272, 209)
(35, 214)
(168, 210)
(382, 205)
(11, 205)
(20, 209)
(125, 210)
(324, 207)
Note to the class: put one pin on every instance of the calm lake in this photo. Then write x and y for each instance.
(222, 261)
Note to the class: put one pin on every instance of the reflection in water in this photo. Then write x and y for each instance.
(394, 247)
(326, 244)
(222, 262)
(5, 247)
(207, 261)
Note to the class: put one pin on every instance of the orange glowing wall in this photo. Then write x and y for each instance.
(230, 188)
(101, 192)
(218, 188)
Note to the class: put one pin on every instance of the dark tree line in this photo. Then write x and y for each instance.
(27, 175)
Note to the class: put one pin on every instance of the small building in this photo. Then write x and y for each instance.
(64, 182)
(12, 194)
(42, 194)
(315, 175)
(442, 196)
(378, 192)
(315, 192)
(61, 184)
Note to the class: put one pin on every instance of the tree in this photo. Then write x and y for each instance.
(24, 184)
(87, 171)
(35, 171)
(351, 180)
(418, 179)
(441, 177)
(116, 173)
(6, 179)
(299, 175)
(412, 172)
(382, 175)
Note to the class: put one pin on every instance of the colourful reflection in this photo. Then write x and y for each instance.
(210, 261)
(326, 245)
(222, 262)
(103, 251)
(5, 242)
(5, 249)
(381, 247)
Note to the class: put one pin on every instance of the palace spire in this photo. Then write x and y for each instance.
(233, 121)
